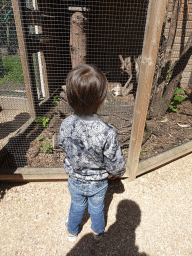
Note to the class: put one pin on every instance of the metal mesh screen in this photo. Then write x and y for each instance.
(55, 36)
(13, 100)
(169, 121)
(59, 35)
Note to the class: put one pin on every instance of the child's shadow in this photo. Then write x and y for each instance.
(120, 238)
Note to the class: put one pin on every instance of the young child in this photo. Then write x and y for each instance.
(92, 149)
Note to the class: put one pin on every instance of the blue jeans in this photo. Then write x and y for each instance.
(83, 194)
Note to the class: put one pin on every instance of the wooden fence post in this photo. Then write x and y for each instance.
(23, 54)
(156, 11)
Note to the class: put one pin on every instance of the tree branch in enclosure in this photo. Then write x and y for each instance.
(163, 66)
(176, 76)
(172, 31)
(126, 66)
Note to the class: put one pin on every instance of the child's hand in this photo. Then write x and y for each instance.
(112, 177)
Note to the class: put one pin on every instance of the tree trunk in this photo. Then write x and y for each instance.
(164, 63)
(172, 31)
(159, 84)
(176, 76)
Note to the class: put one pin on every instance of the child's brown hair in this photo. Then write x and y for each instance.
(86, 89)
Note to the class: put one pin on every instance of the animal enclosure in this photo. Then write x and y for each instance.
(144, 49)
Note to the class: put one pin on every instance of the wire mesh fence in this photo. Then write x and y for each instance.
(55, 36)
(13, 99)
(169, 115)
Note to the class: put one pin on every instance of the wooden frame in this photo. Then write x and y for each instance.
(149, 55)
(133, 167)
(53, 174)
(24, 57)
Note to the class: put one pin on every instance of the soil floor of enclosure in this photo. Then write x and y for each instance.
(161, 134)
(149, 216)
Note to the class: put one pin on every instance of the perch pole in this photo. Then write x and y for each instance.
(78, 39)
(156, 11)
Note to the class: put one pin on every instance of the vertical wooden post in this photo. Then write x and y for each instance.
(156, 11)
(78, 39)
(23, 54)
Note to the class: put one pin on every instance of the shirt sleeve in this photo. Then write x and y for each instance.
(113, 157)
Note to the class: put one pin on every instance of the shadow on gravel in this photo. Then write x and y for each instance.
(5, 186)
(120, 238)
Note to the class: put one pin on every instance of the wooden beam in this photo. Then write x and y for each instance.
(26, 174)
(33, 174)
(153, 29)
(23, 54)
(164, 158)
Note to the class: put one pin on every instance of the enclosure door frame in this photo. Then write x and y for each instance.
(153, 29)
(24, 58)
(133, 166)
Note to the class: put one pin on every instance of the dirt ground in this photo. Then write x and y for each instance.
(161, 134)
(150, 216)
(169, 131)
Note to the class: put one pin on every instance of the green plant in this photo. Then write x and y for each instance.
(47, 147)
(143, 151)
(177, 99)
(42, 121)
(40, 138)
(56, 99)
(179, 91)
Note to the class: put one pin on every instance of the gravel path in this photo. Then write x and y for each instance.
(149, 216)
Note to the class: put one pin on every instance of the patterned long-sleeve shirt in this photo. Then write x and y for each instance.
(92, 149)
